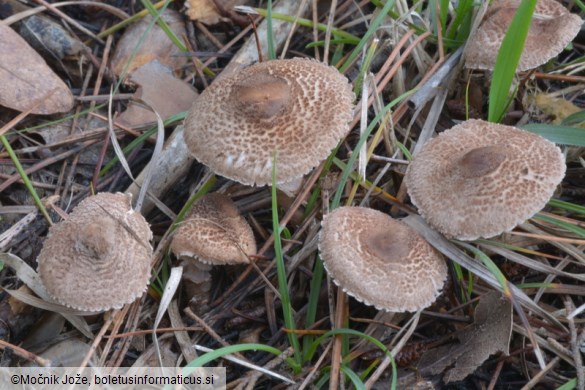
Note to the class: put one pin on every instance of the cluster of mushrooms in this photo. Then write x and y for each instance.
(477, 179)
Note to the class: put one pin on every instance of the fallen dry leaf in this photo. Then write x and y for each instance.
(49, 38)
(158, 88)
(489, 333)
(46, 36)
(203, 11)
(554, 107)
(157, 45)
(206, 11)
(26, 80)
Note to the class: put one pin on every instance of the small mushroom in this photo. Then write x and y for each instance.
(553, 27)
(215, 233)
(99, 257)
(298, 109)
(480, 179)
(380, 261)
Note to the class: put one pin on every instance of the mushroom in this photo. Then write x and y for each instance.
(213, 232)
(99, 257)
(296, 109)
(379, 260)
(552, 28)
(480, 179)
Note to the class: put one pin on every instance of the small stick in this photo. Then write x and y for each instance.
(23, 353)
(257, 38)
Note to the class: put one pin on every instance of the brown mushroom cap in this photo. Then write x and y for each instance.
(298, 109)
(553, 27)
(99, 257)
(214, 232)
(480, 179)
(380, 261)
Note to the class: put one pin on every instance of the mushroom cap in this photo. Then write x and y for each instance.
(380, 261)
(297, 108)
(480, 179)
(99, 257)
(553, 27)
(214, 232)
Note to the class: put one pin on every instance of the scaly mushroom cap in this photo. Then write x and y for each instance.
(99, 257)
(553, 27)
(214, 232)
(380, 261)
(480, 179)
(298, 109)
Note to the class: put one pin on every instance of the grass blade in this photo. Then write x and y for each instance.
(371, 30)
(164, 25)
(563, 135)
(507, 61)
(270, 32)
(382, 114)
(216, 354)
(25, 179)
(289, 320)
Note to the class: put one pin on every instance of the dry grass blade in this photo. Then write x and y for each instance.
(452, 252)
(531, 263)
(251, 366)
(182, 337)
(160, 137)
(47, 305)
(410, 328)
(15, 229)
(29, 277)
(169, 291)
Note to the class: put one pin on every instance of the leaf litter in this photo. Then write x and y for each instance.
(448, 342)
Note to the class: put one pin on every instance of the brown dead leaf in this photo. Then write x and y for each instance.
(554, 107)
(17, 306)
(206, 11)
(157, 45)
(489, 333)
(49, 38)
(46, 36)
(26, 80)
(158, 88)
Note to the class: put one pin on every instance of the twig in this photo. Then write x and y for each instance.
(23, 353)
(209, 330)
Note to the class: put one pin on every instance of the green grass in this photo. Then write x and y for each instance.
(561, 224)
(350, 332)
(351, 161)
(287, 309)
(220, 352)
(343, 36)
(562, 135)
(507, 61)
(365, 39)
(491, 266)
(460, 27)
(164, 25)
(270, 32)
(27, 183)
